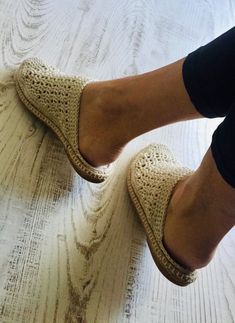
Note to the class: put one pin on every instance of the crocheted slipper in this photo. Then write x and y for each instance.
(152, 176)
(54, 98)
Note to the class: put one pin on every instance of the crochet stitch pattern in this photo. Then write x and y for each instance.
(153, 174)
(54, 98)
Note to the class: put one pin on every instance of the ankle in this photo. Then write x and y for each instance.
(102, 130)
(115, 105)
(186, 234)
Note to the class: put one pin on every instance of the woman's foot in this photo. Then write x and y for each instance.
(101, 125)
(185, 214)
(200, 213)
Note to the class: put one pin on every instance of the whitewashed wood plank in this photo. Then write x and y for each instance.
(72, 251)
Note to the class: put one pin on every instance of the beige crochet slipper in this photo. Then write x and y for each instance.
(152, 176)
(54, 98)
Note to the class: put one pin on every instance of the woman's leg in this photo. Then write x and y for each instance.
(202, 208)
(114, 112)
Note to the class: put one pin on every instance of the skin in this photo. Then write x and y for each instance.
(202, 207)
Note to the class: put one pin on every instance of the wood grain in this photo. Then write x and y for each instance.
(71, 251)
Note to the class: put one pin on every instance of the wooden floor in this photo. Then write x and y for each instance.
(71, 251)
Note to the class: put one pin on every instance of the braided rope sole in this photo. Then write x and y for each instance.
(75, 158)
(165, 266)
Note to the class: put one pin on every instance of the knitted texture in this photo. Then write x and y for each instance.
(153, 175)
(55, 99)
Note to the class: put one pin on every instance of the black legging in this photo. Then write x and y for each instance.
(209, 77)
